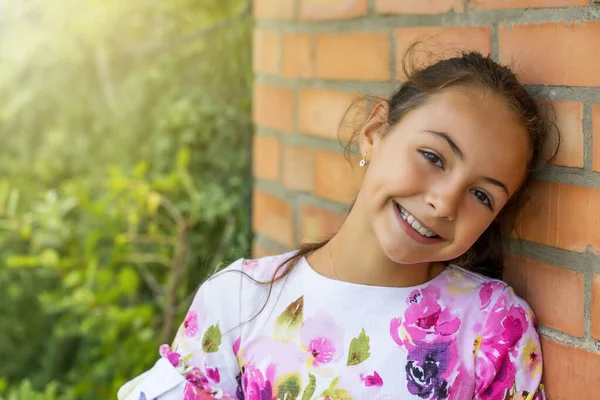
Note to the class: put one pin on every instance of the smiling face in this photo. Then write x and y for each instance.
(441, 175)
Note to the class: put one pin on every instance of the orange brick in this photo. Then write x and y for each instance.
(537, 222)
(317, 224)
(320, 113)
(500, 4)
(596, 307)
(336, 178)
(353, 56)
(596, 136)
(332, 9)
(555, 294)
(562, 216)
(266, 51)
(299, 168)
(569, 372)
(553, 53)
(418, 6)
(436, 43)
(272, 217)
(274, 9)
(265, 157)
(259, 251)
(569, 118)
(297, 56)
(273, 107)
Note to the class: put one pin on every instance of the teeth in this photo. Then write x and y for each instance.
(415, 224)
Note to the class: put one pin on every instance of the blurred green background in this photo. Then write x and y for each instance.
(124, 180)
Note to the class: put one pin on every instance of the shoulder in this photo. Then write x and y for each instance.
(243, 281)
(259, 270)
(485, 295)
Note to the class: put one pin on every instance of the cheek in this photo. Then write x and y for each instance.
(397, 176)
(471, 226)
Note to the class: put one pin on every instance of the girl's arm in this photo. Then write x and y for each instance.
(508, 357)
(201, 363)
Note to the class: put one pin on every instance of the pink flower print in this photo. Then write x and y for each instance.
(190, 323)
(372, 380)
(425, 320)
(196, 377)
(193, 392)
(322, 349)
(201, 384)
(213, 374)
(249, 263)
(504, 329)
(236, 346)
(486, 291)
(322, 339)
(504, 380)
(255, 385)
(165, 352)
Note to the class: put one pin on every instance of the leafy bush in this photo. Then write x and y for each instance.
(125, 167)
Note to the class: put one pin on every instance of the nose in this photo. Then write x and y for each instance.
(444, 201)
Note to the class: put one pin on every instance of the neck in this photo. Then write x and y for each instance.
(357, 257)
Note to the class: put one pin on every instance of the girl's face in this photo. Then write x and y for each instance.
(440, 176)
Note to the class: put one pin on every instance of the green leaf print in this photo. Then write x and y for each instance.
(288, 387)
(287, 326)
(359, 349)
(335, 393)
(212, 339)
(310, 389)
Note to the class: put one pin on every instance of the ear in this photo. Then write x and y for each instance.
(370, 133)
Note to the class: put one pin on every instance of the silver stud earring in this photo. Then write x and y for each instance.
(364, 161)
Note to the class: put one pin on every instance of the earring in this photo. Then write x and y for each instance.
(364, 161)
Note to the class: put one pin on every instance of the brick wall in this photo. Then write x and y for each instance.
(311, 59)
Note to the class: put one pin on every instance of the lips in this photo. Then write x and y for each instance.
(415, 226)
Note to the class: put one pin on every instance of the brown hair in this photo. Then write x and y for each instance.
(471, 70)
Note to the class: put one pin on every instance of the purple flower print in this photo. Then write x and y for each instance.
(427, 331)
(426, 368)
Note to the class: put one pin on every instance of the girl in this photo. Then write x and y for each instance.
(396, 305)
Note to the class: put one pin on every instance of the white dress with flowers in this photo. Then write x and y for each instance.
(459, 336)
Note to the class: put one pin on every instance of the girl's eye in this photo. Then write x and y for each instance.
(483, 198)
(432, 158)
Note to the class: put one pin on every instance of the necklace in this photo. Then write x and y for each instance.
(331, 261)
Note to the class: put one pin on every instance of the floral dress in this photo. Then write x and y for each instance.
(459, 336)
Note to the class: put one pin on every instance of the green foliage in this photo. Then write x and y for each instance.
(125, 181)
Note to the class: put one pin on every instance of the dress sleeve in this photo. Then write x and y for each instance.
(508, 357)
(202, 361)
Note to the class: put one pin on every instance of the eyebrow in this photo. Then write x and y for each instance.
(451, 143)
(456, 150)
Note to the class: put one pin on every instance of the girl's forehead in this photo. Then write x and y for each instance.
(486, 132)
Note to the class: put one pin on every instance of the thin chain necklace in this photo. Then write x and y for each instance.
(331, 261)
